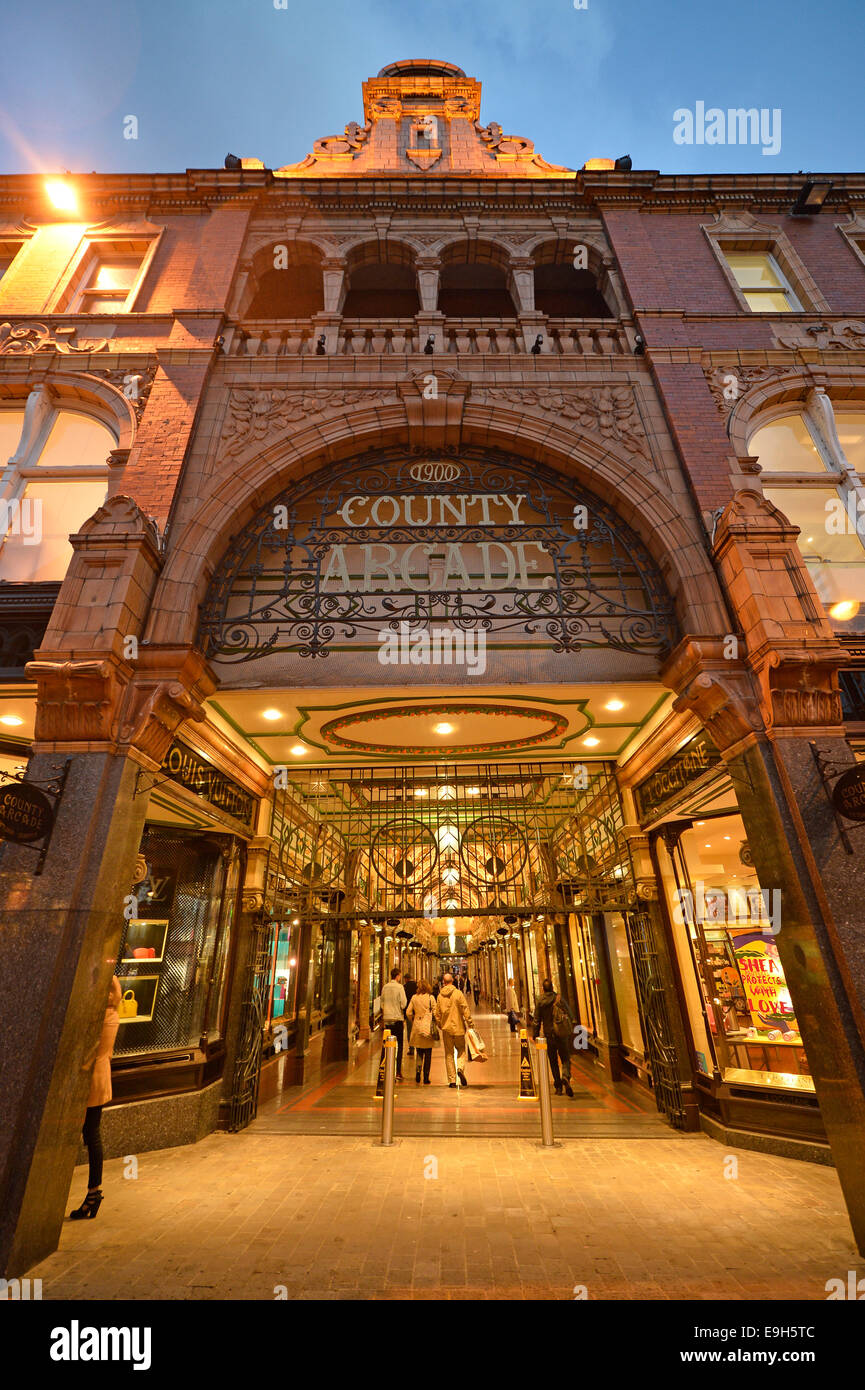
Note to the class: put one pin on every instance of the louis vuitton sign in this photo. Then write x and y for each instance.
(192, 772)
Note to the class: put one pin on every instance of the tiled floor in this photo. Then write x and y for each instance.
(438, 1217)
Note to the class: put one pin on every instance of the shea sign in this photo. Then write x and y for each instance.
(485, 543)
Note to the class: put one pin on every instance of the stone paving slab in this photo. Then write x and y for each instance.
(236, 1215)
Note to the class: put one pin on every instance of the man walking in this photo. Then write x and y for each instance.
(393, 1006)
(453, 1016)
(553, 1014)
(512, 1006)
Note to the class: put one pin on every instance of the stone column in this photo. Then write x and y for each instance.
(428, 270)
(363, 999)
(110, 718)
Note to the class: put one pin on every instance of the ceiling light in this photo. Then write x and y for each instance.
(591, 742)
(272, 714)
(473, 791)
(700, 822)
(61, 195)
(421, 791)
(707, 845)
(443, 729)
(845, 610)
(298, 750)
(614, 704)
(726, 837)
(295, 921)
(12, 720)
(293, 961)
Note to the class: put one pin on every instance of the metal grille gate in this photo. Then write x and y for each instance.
(656, 1019)
(253, 1013)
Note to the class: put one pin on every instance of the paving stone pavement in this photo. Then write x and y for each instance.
(342, 1218)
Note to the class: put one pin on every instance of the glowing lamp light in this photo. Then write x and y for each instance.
(614, 704)
(591, 742)
(298, 750)
(271, 714)
(443, 729)
(845, 610)
(12, 721)
(61, 195)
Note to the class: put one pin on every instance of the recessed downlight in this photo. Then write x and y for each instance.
(272, 714)
(591, 742)
(298, 750)
(614, 704)
(12, 721)
(443, 729)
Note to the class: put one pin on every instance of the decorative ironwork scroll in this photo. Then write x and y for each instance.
(393, 543)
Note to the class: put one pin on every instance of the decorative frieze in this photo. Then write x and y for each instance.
(41, 337)
(845, 335)
(255, 414)
(610, 411)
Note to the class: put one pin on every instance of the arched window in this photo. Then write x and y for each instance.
(381, 284)
(474, 284)
(562, 290)
(55, 477)
(288, 282)
(812, 459)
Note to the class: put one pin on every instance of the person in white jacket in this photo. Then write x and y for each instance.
(393, 1006)
(512, 1006)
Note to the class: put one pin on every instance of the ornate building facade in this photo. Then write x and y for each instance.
(281, 445)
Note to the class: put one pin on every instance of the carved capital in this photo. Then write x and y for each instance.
(800, 690)
(717, 691)
(153, 714)
(77, 701)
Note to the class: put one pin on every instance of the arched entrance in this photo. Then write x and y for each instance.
(470, 612)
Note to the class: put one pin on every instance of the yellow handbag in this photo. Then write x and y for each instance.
(128, 1006)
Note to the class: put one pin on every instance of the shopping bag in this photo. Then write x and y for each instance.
(475, 1046)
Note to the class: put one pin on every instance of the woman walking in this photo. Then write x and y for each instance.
(100, 1094)
(420, 1016)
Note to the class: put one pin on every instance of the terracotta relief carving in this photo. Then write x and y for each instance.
(846, 335)
(608, 410)
(355, 136)
(153, 715)
(36, 337)
(254, 414)
(134, 385)
(726, 393)
(76, 699)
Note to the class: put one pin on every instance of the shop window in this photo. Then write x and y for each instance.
(174, 950)
(284, 980)
(58, 479)
(624, 989)
(819, 451)
(107, 277)
(763, 284)
(732, 925)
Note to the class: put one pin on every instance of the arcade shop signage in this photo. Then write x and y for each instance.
(26, 813)
(848, 793)
(192, 772)
(686, 767)
(497, 545)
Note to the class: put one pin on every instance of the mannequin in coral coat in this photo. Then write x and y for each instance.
(99, 1095)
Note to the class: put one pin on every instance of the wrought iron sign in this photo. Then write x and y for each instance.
(487, 543)
(28, 810)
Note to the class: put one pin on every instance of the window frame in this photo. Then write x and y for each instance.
(92, 249)
(14, 477)
(745, 232)
(784, 285)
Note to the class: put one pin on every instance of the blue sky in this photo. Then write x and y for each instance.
(207, 76)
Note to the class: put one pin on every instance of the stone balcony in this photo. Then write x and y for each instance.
(405, 337)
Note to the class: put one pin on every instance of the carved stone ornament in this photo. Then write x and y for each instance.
(39, 337)
(154, 713)
(256, 414)
(729, 384)
(139, 873)
(348, 144)
(253, 902)
(134, 384)
(610, 411)
(513, 149)
(77, 699)
(844, 336)
(803, 693)
(647, 890)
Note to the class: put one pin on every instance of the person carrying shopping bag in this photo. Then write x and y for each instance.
(453, 1016)
(420, 1016)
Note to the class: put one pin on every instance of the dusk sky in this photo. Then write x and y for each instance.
(205, 77)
